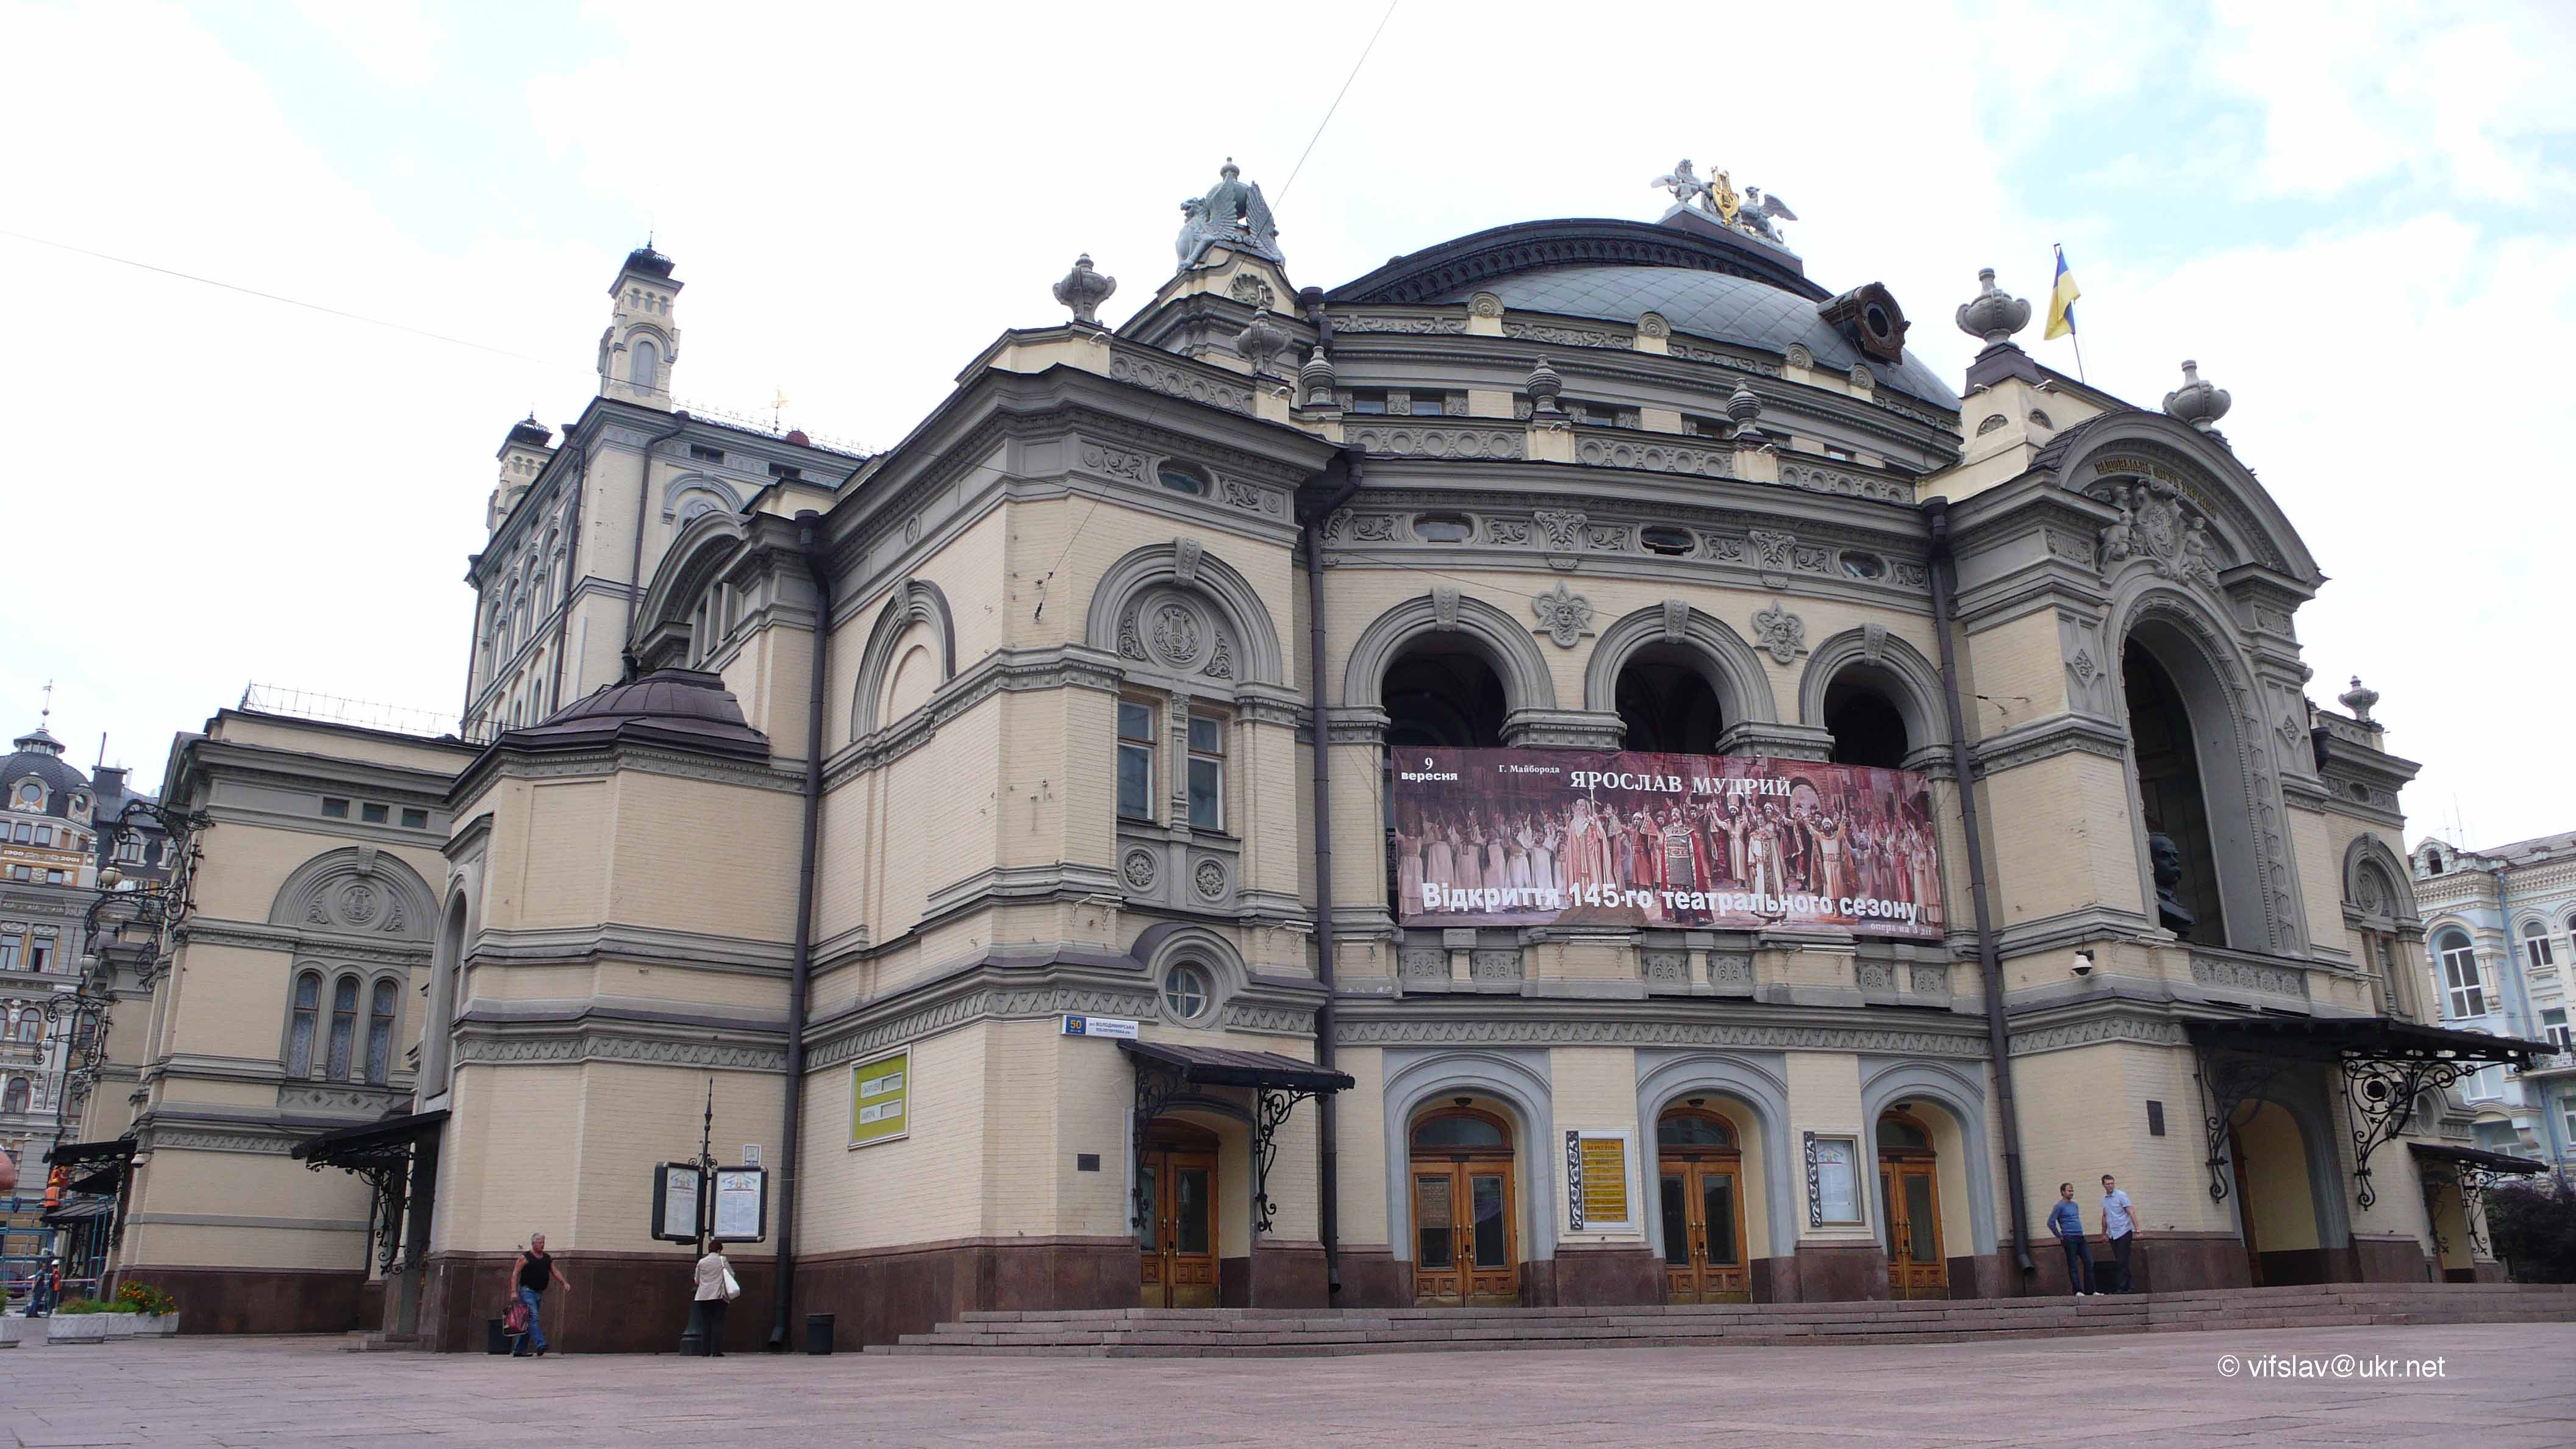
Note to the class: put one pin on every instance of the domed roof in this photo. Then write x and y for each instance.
(645, 259)
(38, 754)
(688, 708)
(1708, 281)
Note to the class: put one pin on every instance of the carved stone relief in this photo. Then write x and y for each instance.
(1781, 632)
(1563, 615)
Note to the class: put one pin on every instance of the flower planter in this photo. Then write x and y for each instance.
(162, 1326)
(15, 1331)
(119, 1325)
(76, 1328)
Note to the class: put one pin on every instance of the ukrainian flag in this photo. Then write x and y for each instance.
(2061, 300)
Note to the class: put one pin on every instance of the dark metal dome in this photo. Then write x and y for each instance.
(687, 708)
(648, 261)
(38, 755)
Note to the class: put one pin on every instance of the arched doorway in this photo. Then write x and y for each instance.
(1702, 1204)
(1666, 702)
(1465, 1237)
(2276, 1213)
(1909, 1208)
(1178, 1239)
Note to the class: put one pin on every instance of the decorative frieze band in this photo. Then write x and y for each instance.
(2096, 1031)
(484, 1048)
(1741, 1036)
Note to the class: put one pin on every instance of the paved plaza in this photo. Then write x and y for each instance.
(2497, 1389)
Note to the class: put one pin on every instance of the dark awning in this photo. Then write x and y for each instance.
(2472, 1157)
(367, 1139)
(71, 1212)
(2366, 1036)
(1220, 1067)
(74, 1154)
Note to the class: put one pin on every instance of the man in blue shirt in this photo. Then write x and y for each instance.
(2120, 1225)
(2067, 1221)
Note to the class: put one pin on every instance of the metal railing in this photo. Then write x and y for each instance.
(305, 704)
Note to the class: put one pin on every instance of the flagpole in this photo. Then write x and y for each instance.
(2058, 249)
(2078, 339)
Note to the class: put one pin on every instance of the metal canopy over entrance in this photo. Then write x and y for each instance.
(1276, 1084)
(398, 1177)
(2473, 1172)
(2385, 1067)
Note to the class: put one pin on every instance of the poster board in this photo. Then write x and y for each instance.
(741, 1205)
(881, 1099)
(1599, 1197)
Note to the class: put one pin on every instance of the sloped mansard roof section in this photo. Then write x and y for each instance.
(687, 709)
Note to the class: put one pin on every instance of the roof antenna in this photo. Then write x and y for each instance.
(46, 715)
(102, 753)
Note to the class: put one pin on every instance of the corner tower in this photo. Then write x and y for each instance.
(522, 456)
(642, 342)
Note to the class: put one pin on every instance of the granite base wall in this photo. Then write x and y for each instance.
(618, 1302)
(1834, 1272)
(878, 1295)
(260, 1300)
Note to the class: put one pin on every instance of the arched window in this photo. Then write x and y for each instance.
(1459, 1131)
(1900, 1133)
(299, 1036)
(1866, 726)
(380, 1034)
(2464, 993)
(15, 1098)
(2535, 944)
(2432, 862)
(1694, 1129)
(31, 1025)
(344, 1027)
(644, 365)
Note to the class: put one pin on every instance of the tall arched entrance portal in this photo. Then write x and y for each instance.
(1465, 1247)
(1702, 1204)
(2276, 1207)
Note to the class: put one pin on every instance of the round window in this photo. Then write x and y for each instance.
(1181, 478)
(1187, 991)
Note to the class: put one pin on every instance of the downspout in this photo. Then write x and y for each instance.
(1328, 1171)
(1936, 513)
(809, 543)
(635, 563)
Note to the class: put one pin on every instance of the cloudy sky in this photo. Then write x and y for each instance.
(2357, 218)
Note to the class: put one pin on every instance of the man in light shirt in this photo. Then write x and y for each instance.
(2120, 1225)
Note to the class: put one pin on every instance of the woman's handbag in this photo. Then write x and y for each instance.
(733, 1286)
(515, 1322)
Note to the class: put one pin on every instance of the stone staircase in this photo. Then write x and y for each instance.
(1317, 1332)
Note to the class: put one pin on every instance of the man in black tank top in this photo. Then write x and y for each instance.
(534, 1273)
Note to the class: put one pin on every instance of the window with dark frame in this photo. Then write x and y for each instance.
(1207, 773)
(299, 1034)
(1135, 760)
(334, 809)
(344, 1027)
(373, 813)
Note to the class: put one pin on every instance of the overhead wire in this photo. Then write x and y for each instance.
(1337, 97)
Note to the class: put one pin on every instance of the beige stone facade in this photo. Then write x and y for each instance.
(1553, 491)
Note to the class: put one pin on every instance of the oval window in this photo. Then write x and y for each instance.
(1864, 565)
(1183, 479)
(1666, 540)
(1186, 991)
(1443, 528)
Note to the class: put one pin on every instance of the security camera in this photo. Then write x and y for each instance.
(2083, 965)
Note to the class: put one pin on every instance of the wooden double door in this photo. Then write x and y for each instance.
(1464, 1239)
(1177, 1240)
(1703, 1217)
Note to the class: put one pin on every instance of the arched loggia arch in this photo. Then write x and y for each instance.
(1415, 1080)
(918, 601)
(1895, 670)
(1717, 653)
(1185, 567)
(1499, 639)
(666, 617)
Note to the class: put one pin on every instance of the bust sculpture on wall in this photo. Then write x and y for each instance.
(2171, 913)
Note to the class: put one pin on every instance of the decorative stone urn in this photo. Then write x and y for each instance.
(1993, 314)
(2196, 402)
(76, 1328)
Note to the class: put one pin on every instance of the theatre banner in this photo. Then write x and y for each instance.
(1723, 842)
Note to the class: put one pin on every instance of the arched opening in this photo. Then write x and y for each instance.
(2166, 757)
(1440, 693)
(1465, 1232)
(446, 966)
(2276, 1213)
(2464, 989)
(644, 365)
(1701, 1201)
(1861, 715)
(1909, 1206)
(1177, 1241)
(1666, 703)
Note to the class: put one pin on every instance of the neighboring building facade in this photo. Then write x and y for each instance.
(2500, 950)
(49, 814)
(821, 791)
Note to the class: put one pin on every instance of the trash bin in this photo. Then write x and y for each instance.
(496, 1336)
(818, 1333)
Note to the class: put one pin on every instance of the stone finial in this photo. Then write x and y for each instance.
(1315, 380)
(1993, 314)
(2196, 402)
(1083, 290)
(2359, 699)
(1261, 341)
(1744, 408)
(1544, 385)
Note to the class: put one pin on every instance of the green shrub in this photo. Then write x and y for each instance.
(2534, 1229)
(77, 1306)
(144, 1298)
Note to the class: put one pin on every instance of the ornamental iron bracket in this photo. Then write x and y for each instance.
(1270, 1111)
(387, 1173)
(1156, 1085)
(2381, 1093)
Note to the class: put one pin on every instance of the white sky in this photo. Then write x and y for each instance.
(2357, 218)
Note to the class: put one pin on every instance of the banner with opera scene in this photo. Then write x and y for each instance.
(1720, 842)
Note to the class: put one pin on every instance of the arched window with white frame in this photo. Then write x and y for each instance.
(2535, 945)
(2464, 991)
(14, 1099)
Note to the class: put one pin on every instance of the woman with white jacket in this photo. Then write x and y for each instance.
(714, 1292)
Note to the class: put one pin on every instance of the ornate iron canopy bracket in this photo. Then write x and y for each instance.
(1156, 1085)
(387, 1172)
(2229, 1080)
(2381, 1092)
(1270, 1111)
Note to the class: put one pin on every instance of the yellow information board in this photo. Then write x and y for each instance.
(880, 1099)
(1605, 1181)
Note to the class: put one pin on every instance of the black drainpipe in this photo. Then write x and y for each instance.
(809, 542)
(1328, 1160)
(1936, 512)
